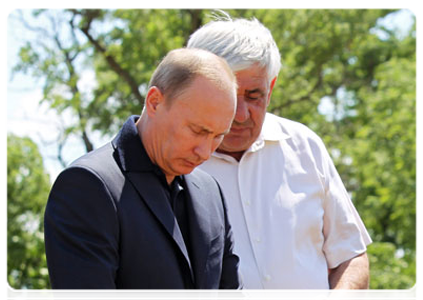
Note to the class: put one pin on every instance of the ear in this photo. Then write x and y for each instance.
(272, 84)
(153, 100)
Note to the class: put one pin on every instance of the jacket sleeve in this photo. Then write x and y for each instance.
(81, 231)
(230, 278)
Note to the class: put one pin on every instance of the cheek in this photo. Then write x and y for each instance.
(182, 141)
(172, 140)
(216, 142)
(258, 113)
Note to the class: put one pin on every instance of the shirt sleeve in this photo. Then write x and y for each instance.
(344, 231)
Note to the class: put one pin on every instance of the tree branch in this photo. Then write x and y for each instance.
(126, 76)
(72, 84)
(196, 19)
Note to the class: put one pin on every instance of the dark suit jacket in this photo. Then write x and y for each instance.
(108, 224)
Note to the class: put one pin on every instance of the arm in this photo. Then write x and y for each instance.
(351, 274)
(345, 233)
(81, 232)
(350, 280)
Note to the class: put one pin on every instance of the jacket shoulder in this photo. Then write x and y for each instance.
(96, 158)
(102, 164)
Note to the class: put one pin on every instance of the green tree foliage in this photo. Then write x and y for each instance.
(385, 153)
(344, 74)
(27, 190)
(122, 47)
(391, 269)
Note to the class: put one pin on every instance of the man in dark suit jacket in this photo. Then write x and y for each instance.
(125, 216)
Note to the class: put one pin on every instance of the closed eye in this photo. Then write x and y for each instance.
(254, 94)
(199, 130)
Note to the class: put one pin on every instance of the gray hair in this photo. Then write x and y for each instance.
(180, 67)
(241, 42)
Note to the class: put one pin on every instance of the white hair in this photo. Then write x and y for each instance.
(241, 42)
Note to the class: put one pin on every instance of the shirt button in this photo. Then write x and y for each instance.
(258, 240)
(267, 277)
(247, 203)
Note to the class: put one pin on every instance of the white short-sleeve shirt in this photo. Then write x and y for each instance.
(291, 215)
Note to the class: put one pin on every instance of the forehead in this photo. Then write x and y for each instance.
(206, 105)
(253, 77)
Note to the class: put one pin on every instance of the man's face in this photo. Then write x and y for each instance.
(254, 92)
(193, 126)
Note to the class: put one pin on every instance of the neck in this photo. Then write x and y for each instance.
(237, 155)
(142, 128)
(146, 135)
(169, 179)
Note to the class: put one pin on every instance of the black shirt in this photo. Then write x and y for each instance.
(175, 193)
(178, 201)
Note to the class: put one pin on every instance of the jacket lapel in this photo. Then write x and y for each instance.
(152, 194)
(200, 226)
(136, 165)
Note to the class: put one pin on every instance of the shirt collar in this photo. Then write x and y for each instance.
(271, 131)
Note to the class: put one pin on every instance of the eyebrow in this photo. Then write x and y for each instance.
(201, 128)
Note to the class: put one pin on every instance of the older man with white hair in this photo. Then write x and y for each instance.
(293, 221)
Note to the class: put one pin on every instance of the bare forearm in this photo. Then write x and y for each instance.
(351, 274)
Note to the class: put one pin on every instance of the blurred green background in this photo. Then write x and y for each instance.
(350, 75)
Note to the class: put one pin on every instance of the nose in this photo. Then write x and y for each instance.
(204, 149)
(242, 113)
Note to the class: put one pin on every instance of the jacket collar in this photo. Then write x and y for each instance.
(130, 149)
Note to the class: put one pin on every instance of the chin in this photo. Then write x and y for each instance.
(184, 170)
(233, 148)
(235, 145)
